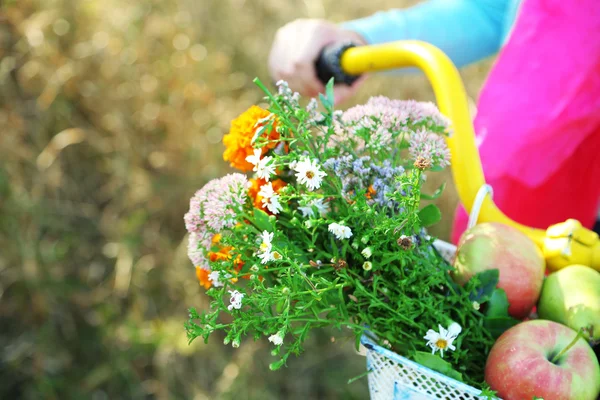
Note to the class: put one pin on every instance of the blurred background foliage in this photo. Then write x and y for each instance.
(112, 114)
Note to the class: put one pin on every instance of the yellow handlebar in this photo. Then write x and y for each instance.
(563, 244)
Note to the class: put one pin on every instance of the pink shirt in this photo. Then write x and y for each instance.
(538, 120)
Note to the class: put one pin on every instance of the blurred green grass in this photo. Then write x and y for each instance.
(111, 116)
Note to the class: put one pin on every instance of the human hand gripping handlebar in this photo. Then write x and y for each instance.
(563, 244)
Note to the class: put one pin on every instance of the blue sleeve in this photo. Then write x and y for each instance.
(466, 30)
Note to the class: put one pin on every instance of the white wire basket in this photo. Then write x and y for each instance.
(393, 377)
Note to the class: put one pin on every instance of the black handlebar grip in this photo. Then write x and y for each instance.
(328, 64)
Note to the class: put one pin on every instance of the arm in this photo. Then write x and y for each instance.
(466, 30)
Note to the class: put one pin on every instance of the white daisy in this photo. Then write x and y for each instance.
(266, 242)
(443, 340)
(277, 339)
(236, 300)
(255, 158)
(264, 170)
(340, 231)
(309, 173)
(270, 199)
(307, 210)
(215, 279)
(265, 257)
(266, 191)
(273, 204)
(265, 247)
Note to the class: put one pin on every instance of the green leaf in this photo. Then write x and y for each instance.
(261, 220)
(488, 280)
(436, 194)
(328, 106)
(498, 325)
(498, 304)
(329, 91)
(430, 215)
(436, 363)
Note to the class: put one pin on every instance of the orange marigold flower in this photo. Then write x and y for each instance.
(237, 141)
(202, 275)
(371, 192)
(224, 254)
(255, 185)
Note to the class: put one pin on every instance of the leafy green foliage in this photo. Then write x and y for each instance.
(438, 364)
(398, 291)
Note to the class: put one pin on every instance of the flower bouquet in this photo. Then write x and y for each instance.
(329, 231)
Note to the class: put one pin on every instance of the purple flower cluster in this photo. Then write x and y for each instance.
(287, 94)
(213, 209)
(361, 175)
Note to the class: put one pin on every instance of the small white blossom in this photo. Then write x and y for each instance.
(269, 198)
(264, 169)
(265, 247)
(255, 158)
(273, 204)
(266, 241)
(266, 191)
(265, 257)
(309, 173)
(214, 278)
(442, 341)
(277, 339)
(367, 252)
(236, 300)
(367, 265)
(476, 305)
(307, 210)
(340, 231)
(454, 329)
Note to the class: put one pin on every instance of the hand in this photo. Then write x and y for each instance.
(296, 48)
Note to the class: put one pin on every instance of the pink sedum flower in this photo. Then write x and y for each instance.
(213, 209)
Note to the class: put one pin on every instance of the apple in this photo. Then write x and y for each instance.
(519, 261)
(533, 358)
(571, 296)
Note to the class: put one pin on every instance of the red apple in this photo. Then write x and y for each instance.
(520, 364)
(520, 262)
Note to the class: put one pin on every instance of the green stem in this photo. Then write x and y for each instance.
(563, 351)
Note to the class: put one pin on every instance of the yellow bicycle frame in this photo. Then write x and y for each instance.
(562, 244)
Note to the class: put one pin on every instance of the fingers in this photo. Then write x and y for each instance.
(294, 52)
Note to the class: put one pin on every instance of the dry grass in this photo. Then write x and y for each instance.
(111, 117)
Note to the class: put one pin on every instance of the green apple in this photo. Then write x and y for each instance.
(571, 296)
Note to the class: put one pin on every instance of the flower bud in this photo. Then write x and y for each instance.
(367, 252)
